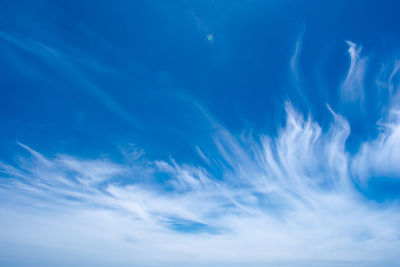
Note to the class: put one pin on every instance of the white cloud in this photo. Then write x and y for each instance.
(285, 200)
(288, 200)
(352, 88)
(381, 157)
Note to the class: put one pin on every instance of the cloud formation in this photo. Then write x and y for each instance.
(296, 198)
(67, 67)
(280, 200)
(352, 88)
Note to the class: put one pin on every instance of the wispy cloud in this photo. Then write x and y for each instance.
(387, 76)
(282, 200)
(294, 60)
(380, 157)
(67, 68)
(352, 88)
(289, 200)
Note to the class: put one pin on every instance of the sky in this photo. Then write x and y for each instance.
(199, 133)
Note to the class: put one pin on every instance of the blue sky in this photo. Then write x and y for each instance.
(199, 133)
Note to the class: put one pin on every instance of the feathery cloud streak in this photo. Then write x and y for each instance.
(67, 68)
(293, 199)
(276, 200)
(353, 86)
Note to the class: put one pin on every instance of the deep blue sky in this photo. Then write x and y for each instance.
(176, 89)
(153, 59)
